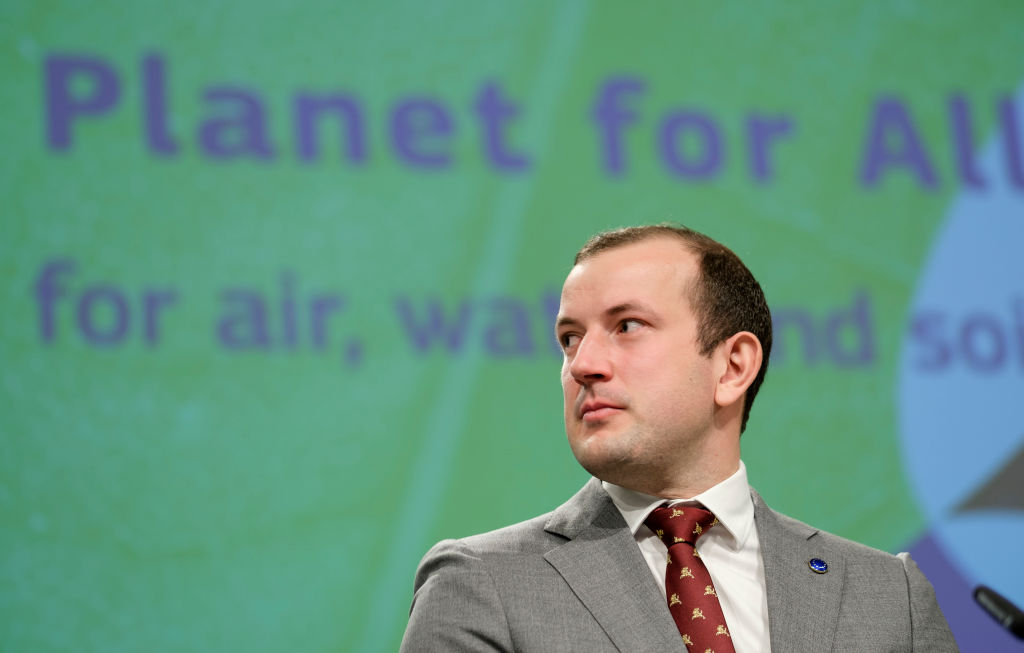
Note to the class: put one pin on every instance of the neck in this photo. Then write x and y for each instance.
(691, 485)
(688, 474)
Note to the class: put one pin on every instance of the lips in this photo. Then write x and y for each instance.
(597, 409)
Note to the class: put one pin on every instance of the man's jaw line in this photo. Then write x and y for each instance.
(669, 474)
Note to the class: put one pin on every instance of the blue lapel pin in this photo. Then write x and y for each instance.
(817, 565)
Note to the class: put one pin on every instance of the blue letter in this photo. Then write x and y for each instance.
(891, 118)
(610, 117)
(62, 107)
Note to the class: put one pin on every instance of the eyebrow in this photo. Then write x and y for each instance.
(618, 309)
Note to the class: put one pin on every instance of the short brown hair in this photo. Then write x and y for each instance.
(726, 298)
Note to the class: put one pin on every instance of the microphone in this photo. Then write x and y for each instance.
(1010, 616)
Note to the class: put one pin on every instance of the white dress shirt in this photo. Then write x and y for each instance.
(731, 552)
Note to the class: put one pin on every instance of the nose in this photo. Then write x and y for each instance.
(590, 362)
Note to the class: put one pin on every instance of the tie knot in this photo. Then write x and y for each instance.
(676, 524)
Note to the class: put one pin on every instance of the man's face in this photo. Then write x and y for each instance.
(639, 396)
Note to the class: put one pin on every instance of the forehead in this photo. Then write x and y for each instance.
(653, 270)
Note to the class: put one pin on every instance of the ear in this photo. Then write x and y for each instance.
(740, 359)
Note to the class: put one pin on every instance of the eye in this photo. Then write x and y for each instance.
(629, 325)
(568, 340)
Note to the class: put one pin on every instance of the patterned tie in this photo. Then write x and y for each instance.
(692, 599)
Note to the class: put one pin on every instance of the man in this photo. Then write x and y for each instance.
(666, 336)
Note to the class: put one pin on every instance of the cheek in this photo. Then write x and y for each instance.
(669, 390)
(569, 390)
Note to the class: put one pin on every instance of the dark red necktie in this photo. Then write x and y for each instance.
(692, 598)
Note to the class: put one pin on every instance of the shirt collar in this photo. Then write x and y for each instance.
(729, 500)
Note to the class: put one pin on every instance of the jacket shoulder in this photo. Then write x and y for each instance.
(527, 536)
(773, 521)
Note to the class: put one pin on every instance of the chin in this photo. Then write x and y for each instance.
(602, 455)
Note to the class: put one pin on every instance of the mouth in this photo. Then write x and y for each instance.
(599, 414)
(596, 411)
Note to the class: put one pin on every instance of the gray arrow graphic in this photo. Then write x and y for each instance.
(1003, 491)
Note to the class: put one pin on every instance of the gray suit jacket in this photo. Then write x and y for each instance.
(575, 580)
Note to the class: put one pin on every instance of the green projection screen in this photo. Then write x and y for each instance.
(278, 284)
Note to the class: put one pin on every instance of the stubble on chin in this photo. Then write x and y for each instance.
(609, 457)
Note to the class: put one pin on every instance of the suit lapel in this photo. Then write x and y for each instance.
(803, 606)
(603, 566)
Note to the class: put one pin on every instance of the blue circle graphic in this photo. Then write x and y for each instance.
(961, 374)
